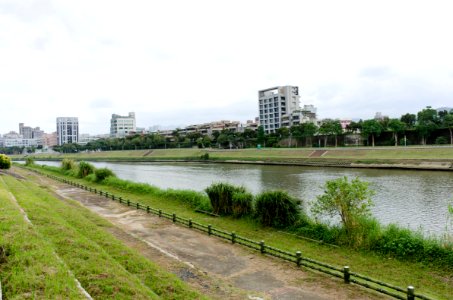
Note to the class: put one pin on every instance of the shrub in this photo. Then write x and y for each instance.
(194, 199)
(29, 161)
(103, 173)
(221, 196)
(205, 156)
(242, 204)
(276, 209)
(85, 169)
(68, 164)
(441, 140)
(90, 178)
(5, 162)
(350, 200)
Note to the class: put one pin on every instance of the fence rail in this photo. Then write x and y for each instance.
(297, 257)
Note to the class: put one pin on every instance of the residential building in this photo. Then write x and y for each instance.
(280, 107)
(121, 126)
(50, 139)
(67, 130)
(25, 131)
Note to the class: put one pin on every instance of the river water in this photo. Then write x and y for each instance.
(414, 199)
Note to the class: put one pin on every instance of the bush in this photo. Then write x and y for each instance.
(5, 162)
(102, 174)
(29, 161)
(68, 164)
(85, 169)
(221, 196)
(276, 209)
(205, 156)
(441, 140)
(242, 204)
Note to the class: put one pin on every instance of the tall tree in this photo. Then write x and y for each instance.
(409, 120)
(371, 127)
(427, 122)
(396, 126)
(448, 123)
(308, 131)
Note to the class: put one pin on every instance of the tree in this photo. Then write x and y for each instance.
(409, 120)
(261, 135)
(308, 131)
(396, 126)
(5, 162)
(448, 123)
(350, 200)
(427, 122)
(371, 127)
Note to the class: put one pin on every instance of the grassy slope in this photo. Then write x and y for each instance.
(270, 154)
(436, 283)
(104, 266)
(29, 267)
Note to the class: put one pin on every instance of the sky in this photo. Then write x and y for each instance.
(176, 63)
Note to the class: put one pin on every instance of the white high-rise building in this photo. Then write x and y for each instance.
(275, 103)
(121, 126)
(67, 130)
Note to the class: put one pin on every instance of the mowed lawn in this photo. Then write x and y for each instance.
(267, 154)
(65, 242)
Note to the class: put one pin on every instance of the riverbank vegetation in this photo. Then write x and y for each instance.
(66, 241)
(387, 252)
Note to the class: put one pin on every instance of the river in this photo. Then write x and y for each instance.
(411, 198)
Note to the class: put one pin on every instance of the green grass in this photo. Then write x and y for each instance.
(393, 155)
(428, 280)
(105, 267)
(29, 267)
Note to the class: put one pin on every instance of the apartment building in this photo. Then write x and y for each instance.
(121, 126)
(275, 103)
(67, 130)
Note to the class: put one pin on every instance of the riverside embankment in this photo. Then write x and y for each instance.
(419, 158)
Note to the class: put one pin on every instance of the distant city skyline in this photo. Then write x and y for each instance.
(180, 63)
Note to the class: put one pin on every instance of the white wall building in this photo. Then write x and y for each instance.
(121, 126)
(276, 102)
(67, 130)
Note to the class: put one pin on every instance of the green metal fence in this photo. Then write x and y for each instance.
(297, 257)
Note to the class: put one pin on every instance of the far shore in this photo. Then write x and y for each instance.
(414, 158)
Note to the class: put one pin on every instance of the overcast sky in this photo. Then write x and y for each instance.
(186, 62)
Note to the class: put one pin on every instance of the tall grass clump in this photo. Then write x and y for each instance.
(103, 173)
(221, 197)
(242, 204)
(68, 164)
(85, 169)
(276, 209)
(195, 199)
(29, 161)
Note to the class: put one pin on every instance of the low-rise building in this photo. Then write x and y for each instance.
(120, 126)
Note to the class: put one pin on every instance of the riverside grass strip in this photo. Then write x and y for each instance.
(124, 274)
(28, 265)
(361, 280)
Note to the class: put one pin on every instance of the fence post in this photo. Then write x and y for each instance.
(138, 205)
(147, 209)
(190, 223)
(410, 293)
(173, 217)
(160, 213)
(106, 194)
(95, 191)
(128, 202)
(120, 200)
(298, 258)
(100, 193)
(233, 237)
(346, 274)
(262, 249)
(209, 229)
(113, 197)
